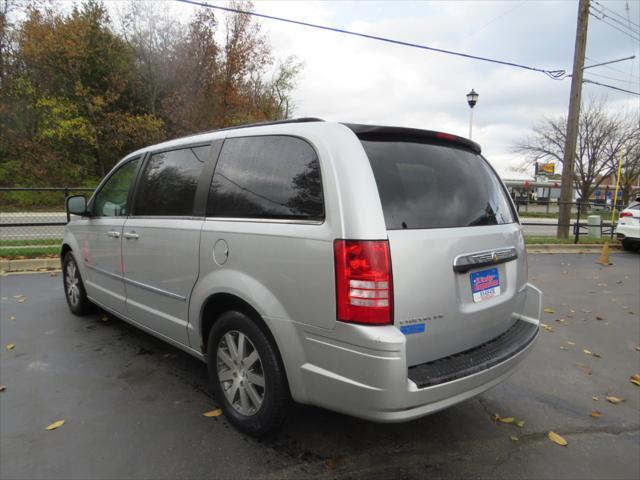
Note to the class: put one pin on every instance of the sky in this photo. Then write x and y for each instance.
(353, 79)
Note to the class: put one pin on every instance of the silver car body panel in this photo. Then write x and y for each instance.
(285, 270)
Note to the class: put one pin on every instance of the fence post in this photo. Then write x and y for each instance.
(577, 225)
(66, 194)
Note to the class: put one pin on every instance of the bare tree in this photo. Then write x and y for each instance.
(601, 138)
(154, 37)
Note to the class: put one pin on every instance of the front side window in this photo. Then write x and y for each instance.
(274, 177)
(168, 183)
(112, 199)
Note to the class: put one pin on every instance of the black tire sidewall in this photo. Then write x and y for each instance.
(83, 305)
(274, 405)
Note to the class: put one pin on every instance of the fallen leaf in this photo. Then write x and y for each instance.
(635, 379)
(619, 282)
(548, 328)
(18, 296)
(12, 317)
(584, 368)
(570, 343)
(3, 388)
(588, 352)
(520, 423)
(549, 310)
(55, 425)
(596, 414)
(11, 346)
(554, 437)
(506, 419)
(515, 439)
(561, 320)
(595, 398)
(638, 348)
(22, 300)
(614, 400)
(213, 413)
(572, 310)
(599, 318)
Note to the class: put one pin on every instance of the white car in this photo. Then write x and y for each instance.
(628, 229)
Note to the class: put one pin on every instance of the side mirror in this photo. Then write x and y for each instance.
(77, 205)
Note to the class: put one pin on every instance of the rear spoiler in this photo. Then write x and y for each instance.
(371, 132)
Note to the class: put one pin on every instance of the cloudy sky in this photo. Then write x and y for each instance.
(358, 80)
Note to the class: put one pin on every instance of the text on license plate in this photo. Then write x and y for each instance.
(485, 284)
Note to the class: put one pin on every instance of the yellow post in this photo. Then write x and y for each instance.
(604, 255)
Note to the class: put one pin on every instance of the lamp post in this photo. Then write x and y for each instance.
(472, 99)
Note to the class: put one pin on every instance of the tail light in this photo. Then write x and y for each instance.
(364, 289)
(626, 214)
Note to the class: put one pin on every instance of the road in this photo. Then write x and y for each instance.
(133, 405)
(544, 227)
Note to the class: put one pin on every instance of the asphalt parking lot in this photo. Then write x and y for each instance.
(133, 405)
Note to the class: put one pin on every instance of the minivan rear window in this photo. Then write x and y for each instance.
(424, 185)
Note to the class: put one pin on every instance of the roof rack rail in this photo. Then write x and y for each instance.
(264, 124)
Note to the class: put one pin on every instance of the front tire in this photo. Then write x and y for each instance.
(74, 290)
(246, 374)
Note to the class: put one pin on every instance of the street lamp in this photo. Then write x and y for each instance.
(472, 99)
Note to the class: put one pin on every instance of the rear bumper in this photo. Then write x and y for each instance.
(632, 232)
(373, 381)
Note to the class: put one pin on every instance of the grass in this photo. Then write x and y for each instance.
(29, 252)
(538, 240)
(606, 216)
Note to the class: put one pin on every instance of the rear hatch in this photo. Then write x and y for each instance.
(457, 251)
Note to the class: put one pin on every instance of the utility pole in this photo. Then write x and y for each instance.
(568, 162)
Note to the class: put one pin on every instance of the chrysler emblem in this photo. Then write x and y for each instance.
(494, 257)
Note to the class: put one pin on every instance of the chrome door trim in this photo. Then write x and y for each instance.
(155, 289)
(104, 272)
(465, 262)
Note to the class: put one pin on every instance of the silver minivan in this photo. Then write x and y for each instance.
(376, 271)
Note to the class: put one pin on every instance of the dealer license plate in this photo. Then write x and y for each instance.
(485, 284)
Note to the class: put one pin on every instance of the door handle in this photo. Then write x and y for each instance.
(113, 233)
(131, 236)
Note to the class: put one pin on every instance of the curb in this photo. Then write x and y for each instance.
(29, 264)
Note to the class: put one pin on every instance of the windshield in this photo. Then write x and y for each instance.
(424, 185)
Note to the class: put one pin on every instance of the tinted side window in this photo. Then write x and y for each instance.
(267, 177)
(111, 200)
(168, 183)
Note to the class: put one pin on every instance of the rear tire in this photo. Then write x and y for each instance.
(247, 375)
(74, 290)
(630, 245)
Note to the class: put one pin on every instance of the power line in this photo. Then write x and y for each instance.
(554, 74)
(611, 25)
(610, 67)
(613, 19)
(585, 80)
(613, 78)
(613, 12)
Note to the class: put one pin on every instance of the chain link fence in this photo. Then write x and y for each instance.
(32, 220)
